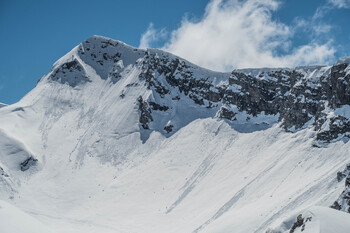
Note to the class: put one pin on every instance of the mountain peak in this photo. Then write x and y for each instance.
(114, 133)
(250, 99)
(102, 39)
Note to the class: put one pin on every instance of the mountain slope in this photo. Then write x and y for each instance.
(320, 219)
(131, 140)
(14, 220)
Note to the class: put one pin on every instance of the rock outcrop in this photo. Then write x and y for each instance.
(311, 96)
(343, 202)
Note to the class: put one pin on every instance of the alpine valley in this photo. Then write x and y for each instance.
(116, 139)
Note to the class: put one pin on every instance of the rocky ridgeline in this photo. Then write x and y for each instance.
(343, 202)
(300, 97)
(64, 73)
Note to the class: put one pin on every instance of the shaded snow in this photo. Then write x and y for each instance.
(343, 111)
(97, 175)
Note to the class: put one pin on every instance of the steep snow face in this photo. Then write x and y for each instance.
(205, 178)
(131, 140)
(15, 158)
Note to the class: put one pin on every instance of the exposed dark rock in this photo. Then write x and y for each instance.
(286, 92)
(145, 113)
(343, 202)
(3, 173)
(158, 107)
(336, 206)
(26, 164)
(19, 109)
(340, 176)
(337, 126)
(227, 114)
(168, 128)
(298, 223)
(122, 95)
(132, 85)
(72, 65)
(71, 73)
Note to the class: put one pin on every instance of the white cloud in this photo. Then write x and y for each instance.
(240, 34)
(312, 27)
(330, 5)
(340, 3)
(322, 11)
(151, 36)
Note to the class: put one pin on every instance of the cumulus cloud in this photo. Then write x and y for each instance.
(239, 34)
(151, 36)
(243, 34)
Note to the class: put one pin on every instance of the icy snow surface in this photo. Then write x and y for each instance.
(95, 174)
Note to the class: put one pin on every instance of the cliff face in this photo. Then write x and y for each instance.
(343, 202)
(315, 96)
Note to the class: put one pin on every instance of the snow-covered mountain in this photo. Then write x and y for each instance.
(120, 139)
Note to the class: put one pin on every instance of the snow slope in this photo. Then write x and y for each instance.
(319, 219)
(14, 220)
(15, 158)
(97, 169)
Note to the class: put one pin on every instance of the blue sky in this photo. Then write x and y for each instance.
(34, 34)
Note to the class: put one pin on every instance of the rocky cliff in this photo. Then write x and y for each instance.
(313, 96)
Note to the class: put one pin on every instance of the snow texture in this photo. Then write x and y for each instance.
(13, 220)
(115, 146)
(318, 219)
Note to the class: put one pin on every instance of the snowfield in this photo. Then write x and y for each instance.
(94, 169)
(14, 220)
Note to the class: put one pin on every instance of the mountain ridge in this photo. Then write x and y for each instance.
(118, 55)
(121, 137)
